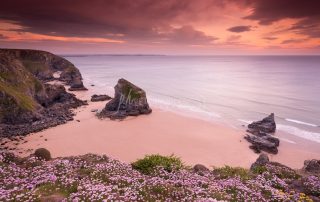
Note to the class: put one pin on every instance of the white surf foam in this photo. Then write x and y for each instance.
(301, 122)
(287, 140)
(299, 132)
(183, 108)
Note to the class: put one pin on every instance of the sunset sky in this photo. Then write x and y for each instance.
(162, 26)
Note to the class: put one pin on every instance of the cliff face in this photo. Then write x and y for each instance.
(43, 65)
(25, 98)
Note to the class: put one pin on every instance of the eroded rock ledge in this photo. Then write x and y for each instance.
(129, 100)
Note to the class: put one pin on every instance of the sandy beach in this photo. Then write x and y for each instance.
(162, 132)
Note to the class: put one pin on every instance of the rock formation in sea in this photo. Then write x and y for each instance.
(261, 136)
(27, 103)
(129, 100)
(266, 125)
(99, 98)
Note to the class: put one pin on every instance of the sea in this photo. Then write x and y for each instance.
(234, 90)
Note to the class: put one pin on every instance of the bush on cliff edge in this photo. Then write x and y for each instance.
(150, 162)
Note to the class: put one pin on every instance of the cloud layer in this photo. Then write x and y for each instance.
(159, 24)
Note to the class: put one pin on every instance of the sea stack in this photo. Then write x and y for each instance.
(129, 100)
(261, 138)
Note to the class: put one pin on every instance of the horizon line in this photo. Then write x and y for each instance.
(190, 55)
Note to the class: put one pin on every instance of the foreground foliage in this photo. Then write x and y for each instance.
(148, 164)
(99, 178)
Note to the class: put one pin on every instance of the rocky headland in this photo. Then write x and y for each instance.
(27, 102)
(129, 100)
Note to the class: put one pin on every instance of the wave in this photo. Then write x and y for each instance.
(179, 107)
(287, 140)
(299, 132)
(301, 122)
(245, 121)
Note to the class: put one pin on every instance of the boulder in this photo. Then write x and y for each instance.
(262, 160)
(312, 166)
(129, 100)
(266, 125)
(98, 98)
(261, 144)
(200, 169)
(43, 154)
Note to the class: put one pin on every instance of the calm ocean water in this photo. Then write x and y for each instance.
(230, 89)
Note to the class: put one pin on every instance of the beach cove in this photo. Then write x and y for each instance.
(161, 132)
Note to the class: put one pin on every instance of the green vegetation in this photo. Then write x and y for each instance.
(149, 163)
(35, 67)
(23, 100)
(131, 93)
(259, 169)
(228, 172)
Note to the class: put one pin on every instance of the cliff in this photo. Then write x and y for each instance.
(26, 99)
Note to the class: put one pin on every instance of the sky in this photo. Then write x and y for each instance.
(173, 27)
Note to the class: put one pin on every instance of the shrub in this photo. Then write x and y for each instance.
(259, 169)
(227, 172)
(150, 162)
(43, 153)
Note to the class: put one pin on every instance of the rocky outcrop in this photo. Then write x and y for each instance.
(129, 100)
(312, 166)
(43, 65)
(262, 160)
(98, 98)
(77, 85)
(27, 103)
(266, 125)
(259, 137)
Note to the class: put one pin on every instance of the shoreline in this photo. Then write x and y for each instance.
(161, 132)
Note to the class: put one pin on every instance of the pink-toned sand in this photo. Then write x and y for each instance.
(162, 132)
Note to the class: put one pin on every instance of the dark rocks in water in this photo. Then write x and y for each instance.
(266, 125)
(260, 139)
(262, 160)
(98, 98)
(262, 144)
(129, 100)
(312, 166)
